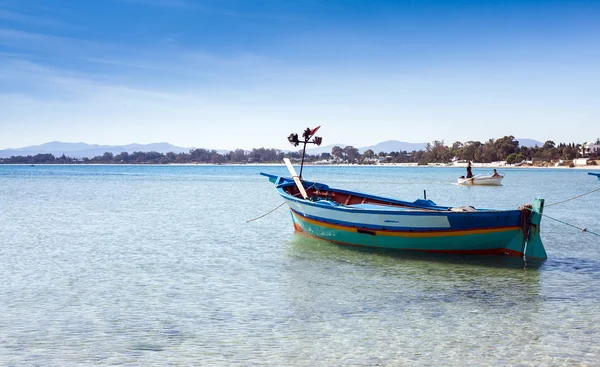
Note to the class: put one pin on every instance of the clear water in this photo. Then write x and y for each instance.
(137, 265)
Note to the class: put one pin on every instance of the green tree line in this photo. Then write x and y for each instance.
(494, 150)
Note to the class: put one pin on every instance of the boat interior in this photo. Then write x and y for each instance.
(327, 196)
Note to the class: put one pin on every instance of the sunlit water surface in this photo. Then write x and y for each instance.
(141, 265)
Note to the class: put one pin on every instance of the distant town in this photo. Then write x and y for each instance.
(502, 151)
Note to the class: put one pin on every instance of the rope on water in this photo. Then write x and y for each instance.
(264, 215)
(280, 205)
(573, 198)
(582, 229)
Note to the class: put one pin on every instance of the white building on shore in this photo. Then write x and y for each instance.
(592, 148)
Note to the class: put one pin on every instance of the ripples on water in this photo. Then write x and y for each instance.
(136, 265)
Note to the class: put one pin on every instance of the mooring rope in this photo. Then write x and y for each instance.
(582, 229)
(279, 206)
(264, 215)
(573, 198)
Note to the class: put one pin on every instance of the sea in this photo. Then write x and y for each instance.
(168, 266)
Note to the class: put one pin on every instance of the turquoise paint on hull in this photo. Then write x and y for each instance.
(535, 249)
(511, 240)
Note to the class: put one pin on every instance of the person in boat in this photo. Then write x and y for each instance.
(495, 173)
(469, 173)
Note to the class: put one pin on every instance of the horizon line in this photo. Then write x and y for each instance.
(333, 144)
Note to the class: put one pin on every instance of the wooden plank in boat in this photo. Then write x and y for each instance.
(295, 177)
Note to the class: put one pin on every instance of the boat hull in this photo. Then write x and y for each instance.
(500, 241)
(481, 181)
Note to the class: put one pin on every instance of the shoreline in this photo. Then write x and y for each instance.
(401, 165)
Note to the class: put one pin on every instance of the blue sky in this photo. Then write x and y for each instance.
(227, 74)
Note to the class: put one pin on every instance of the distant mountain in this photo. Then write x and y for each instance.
(323, 149)
(81, 150)
(386, 146)
(530, 143)
(394, 146)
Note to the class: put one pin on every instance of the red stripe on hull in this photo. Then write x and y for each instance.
(500, 251)
(405, 233)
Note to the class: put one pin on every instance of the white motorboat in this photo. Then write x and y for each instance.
(482, 180)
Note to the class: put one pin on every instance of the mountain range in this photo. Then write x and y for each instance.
(81, 150)
(384, 146)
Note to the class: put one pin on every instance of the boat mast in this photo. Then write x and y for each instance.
(307, 135)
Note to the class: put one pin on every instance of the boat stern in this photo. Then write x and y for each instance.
(527, 242)
(535, 248)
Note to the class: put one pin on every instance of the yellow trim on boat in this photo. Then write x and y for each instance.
(443, 233)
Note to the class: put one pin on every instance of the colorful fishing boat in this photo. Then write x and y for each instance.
(358, 219)
(482, 180)
(594, 174)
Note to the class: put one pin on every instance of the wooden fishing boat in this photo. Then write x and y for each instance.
(482, 180)
(358, 219)
(594, 174)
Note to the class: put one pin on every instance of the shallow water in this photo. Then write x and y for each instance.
(144, 265)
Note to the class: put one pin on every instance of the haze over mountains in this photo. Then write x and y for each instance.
(81, 150)
(385, 146)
